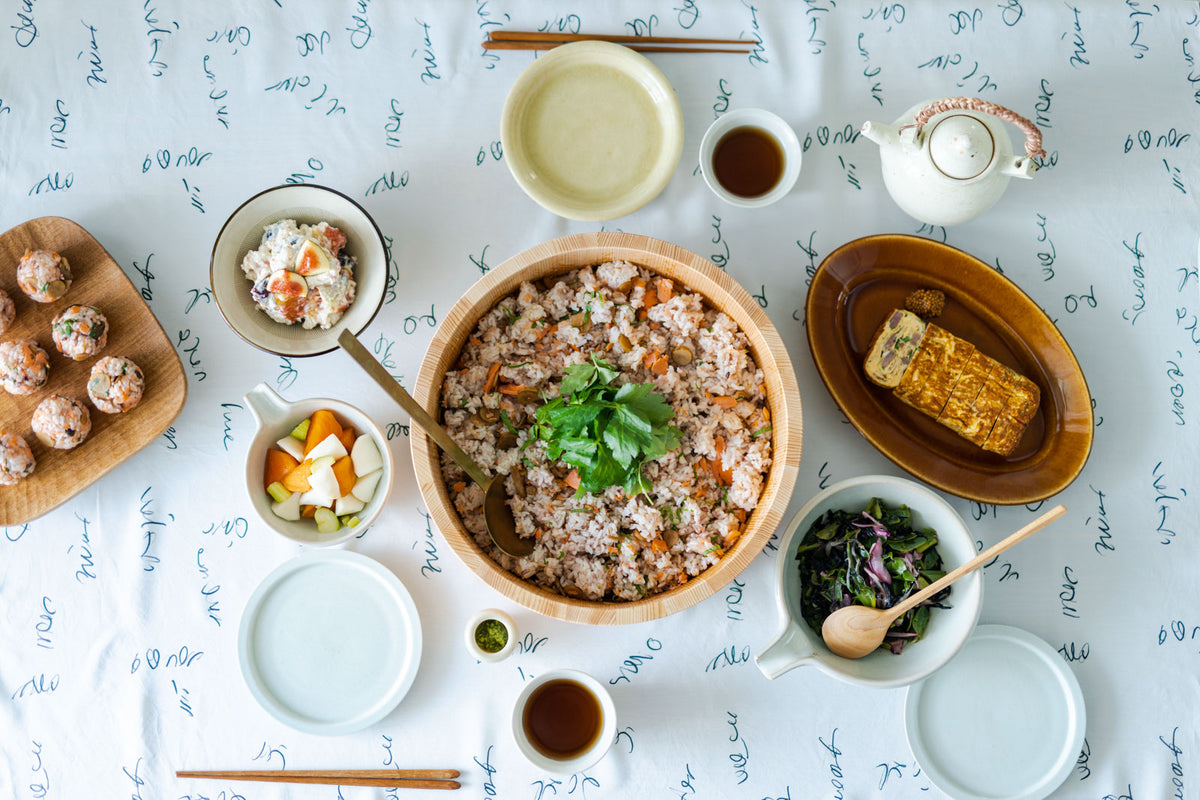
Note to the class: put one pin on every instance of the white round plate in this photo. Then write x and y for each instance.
(1004, 720)
(592, 131)
(330, 642)
(305, 203)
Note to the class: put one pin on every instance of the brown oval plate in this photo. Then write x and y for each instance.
(133, 332)
(858, 284)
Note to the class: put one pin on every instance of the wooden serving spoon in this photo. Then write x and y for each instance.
(857, 631)
(499, 517)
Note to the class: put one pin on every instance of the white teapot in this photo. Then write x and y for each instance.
(948, 161)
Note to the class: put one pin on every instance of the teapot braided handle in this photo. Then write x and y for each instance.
(1033, 136)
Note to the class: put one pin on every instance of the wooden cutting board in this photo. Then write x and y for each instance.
(133, 332)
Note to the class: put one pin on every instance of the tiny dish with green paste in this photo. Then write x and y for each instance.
(491, 635)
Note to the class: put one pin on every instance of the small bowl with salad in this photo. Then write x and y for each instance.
(318, 471)
(873, 540)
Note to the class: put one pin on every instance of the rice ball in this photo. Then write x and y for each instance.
(16, 459)
(80, 332)
(24, 366)
(116, 384)
(8, 312)
(43, 275)
(61, 422)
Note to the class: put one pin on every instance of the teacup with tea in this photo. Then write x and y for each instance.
(750, 157)
(564, 721)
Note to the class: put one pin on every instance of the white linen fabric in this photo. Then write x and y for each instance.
(148, 124)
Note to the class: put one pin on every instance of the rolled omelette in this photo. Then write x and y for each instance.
(944, 377)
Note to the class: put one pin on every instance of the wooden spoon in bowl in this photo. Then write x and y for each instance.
(857, 631)
(496, 513)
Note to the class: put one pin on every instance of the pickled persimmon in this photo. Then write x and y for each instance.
(343, 470)
(321, 425)
(277, 465)
(330, 474)
(297, 479)
(348, 436)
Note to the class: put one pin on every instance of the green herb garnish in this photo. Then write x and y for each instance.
(606, 432)
(872, 558)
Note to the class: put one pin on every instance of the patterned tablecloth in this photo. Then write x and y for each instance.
(149, 123)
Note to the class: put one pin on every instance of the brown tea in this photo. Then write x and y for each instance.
(748, 162)
(562, 719)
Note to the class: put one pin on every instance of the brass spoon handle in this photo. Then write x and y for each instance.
(419, 415)
(984, 557)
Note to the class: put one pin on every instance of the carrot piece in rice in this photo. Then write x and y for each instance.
(666, 289)
(489, 385)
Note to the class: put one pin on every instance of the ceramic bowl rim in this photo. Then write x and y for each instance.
(668, 110)
(231, 313)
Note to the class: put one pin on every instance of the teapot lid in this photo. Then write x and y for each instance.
(961, 146)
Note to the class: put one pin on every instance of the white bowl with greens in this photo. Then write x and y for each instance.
(882, 575)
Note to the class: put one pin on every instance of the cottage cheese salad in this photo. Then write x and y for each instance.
(301, 274)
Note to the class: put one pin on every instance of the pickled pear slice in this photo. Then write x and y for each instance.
(323, 483)
(288, 509)
(331, 445)
(348, 505)
(365, 456)
(293, 447)
(364, 487)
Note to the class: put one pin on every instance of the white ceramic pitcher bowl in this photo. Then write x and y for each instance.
(797, 645)
(276, 418)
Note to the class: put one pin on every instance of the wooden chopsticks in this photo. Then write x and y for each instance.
(542, 40)
(385, 778)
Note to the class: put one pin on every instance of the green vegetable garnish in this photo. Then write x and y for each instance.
(327, 521)
(606, 432)
(872, 558)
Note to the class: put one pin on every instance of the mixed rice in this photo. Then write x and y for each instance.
(611, 546)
